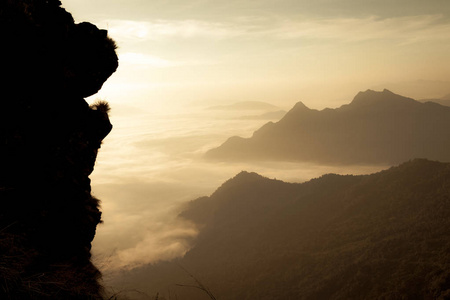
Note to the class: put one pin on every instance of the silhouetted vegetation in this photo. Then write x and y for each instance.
(379, 236)
(198, 285)
(49, 138)
(375, 128)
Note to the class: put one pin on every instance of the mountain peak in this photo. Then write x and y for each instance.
(247, 176)
(371, 97)
(374, 94)
(300, 106)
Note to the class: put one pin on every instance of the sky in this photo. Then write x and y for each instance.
(179, 57)
(320, 52)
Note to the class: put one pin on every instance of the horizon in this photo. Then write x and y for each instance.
(179, 53)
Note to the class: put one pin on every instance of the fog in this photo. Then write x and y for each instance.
(179, 58)
(151, 165)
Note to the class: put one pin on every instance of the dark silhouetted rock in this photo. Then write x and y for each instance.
(49, 138)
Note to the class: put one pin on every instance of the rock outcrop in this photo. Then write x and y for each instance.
(49, 139)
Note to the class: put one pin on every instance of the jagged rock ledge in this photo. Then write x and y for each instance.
(49, 139)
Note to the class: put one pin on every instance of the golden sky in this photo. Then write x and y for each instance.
(319, 52)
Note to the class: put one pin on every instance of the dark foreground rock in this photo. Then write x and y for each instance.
(49, 138)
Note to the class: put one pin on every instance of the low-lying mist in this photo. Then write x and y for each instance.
(151, 166)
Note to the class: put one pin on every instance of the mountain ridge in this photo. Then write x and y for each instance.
(374, 128)
(383, 235)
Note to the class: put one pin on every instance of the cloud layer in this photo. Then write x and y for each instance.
(410, 29)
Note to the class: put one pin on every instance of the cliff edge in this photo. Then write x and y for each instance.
(49, 139)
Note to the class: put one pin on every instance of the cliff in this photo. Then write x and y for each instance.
(49, 139)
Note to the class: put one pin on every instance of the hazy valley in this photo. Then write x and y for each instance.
(153, 163)
(333, 237)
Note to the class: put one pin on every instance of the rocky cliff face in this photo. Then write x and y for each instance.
(49, 138)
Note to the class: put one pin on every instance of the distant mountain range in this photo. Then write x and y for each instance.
(442, 101)
(375, 128)
(418, 89)
(379, 236)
